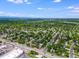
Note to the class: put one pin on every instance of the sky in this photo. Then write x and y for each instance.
(40, 8)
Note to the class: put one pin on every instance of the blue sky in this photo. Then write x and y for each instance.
(40, 8)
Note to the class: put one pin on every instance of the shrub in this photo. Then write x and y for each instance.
(33, 52)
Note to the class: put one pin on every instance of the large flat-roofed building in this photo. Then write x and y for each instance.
(11, 51)
(15, 53)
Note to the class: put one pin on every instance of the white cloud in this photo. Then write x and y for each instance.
(16, 1)
(74, 14)
(25, 0)
(28, 3)
(72, 7)
(1, 12)
(19, 1)
(77, 8)
(45, 9)
(11, 14)
(73, 10)
(56, 1)
(40, 8)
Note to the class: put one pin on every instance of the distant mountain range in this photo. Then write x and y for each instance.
(30, 18)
